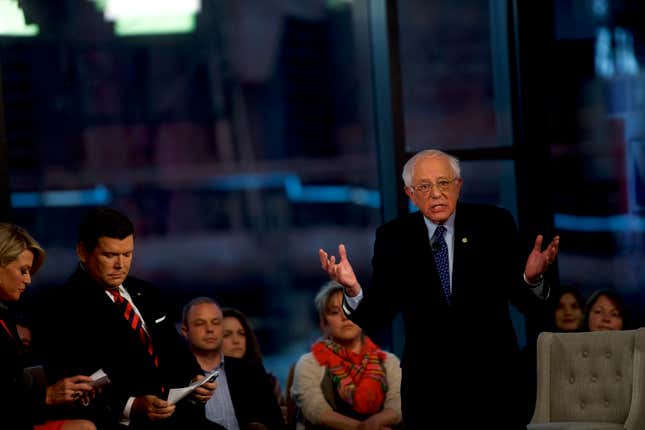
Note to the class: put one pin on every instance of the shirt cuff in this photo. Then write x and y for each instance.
(125, 416)
(539, 283)
(541, 289)
(351, 303)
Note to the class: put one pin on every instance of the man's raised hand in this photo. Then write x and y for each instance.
(341, 271)
(539, 261)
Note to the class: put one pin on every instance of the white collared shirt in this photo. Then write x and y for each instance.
(126, 295)
(219, 408)
(125, 415)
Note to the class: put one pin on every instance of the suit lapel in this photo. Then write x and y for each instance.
(112, 318)
(420, 242)
(463, 244)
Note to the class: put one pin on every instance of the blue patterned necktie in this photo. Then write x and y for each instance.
(440, 254)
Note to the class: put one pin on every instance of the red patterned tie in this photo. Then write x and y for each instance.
(4, 324)
(135, 323)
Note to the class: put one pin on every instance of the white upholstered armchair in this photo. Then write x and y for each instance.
(590, 381)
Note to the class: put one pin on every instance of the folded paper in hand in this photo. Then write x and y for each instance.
(99, 379)
(176, 394)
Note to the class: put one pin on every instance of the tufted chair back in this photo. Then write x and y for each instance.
(590, 381)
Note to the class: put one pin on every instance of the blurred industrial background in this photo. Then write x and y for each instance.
(241, 136)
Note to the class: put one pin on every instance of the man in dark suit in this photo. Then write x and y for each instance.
(451, 269)
(244, 397)
(102, 318)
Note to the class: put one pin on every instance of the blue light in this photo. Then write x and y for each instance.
(294, 190)
(97, 196)
(614, 223)
(25, 200)
(252, 181)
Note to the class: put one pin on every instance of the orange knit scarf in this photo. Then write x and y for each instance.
(358, 378)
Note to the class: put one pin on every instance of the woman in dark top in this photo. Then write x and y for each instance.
(24, 394)
(240, 341)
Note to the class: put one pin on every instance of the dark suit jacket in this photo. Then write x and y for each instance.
(80, 330)
(22, 396)
(252, 394)
(458, 354)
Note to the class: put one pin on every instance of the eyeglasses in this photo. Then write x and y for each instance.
(442, 185)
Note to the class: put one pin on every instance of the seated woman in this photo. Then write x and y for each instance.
(346, 381)
(565, 312)
(605, 310)
(240, 341)
(24, 395)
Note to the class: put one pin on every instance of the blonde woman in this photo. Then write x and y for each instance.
(346, 381)
(22, 398)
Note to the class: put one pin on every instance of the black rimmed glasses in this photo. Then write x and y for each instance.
(442, 185)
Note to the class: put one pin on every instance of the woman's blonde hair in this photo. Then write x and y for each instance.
(13, 241)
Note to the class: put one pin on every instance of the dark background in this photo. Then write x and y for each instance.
(268, 130)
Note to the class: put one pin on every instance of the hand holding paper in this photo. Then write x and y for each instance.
(176, 394)
(99, 379)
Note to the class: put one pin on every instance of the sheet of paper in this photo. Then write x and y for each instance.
(99, 379)
(176, 394)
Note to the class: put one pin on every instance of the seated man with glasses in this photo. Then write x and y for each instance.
(451, 269)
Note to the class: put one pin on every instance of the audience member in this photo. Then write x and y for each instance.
(244, 397)
(605, 310)
(565, 310)
(346, 381)
(103, 318)
(240, 341)
(24, 395)
(451, 269)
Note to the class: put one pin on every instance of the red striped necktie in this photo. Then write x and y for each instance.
(135, 323)
(4, 324)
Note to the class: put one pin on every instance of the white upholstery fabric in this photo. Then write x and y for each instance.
(575, 426)
(591, 381)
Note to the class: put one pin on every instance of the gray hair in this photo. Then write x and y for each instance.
(194, 302)
(408, 168)
(324, 295)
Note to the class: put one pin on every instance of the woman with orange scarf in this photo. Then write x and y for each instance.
(346, 381)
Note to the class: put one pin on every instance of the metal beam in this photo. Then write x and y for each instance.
(388, 104)
(5, 191)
